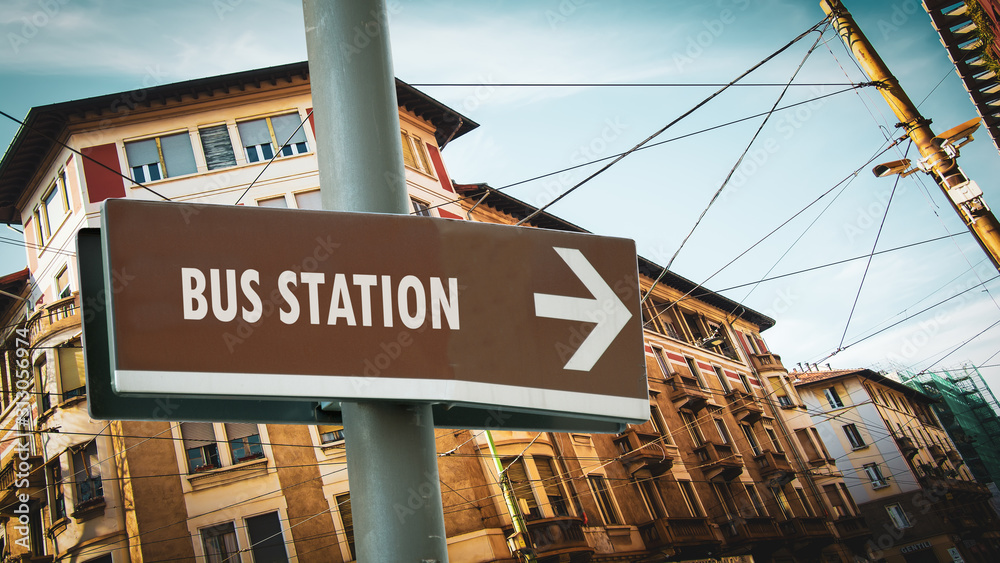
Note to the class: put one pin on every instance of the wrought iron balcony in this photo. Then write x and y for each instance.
(937, 453)
(686, 393)
(770, 463)
(558, 539)
(676, 532)
(851, 527)
(14, 480)
(806, 528)
(719, 460)
(955, 458)
(745, 407)
(906, 446)
(746, 530)
(767, 362)
(644, 450)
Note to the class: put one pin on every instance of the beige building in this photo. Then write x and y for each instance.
(716, 472)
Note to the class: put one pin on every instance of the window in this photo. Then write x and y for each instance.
(62, 284)
(853, 436)
(692, 425)
(779, 497)
(656, 420)
(805, 502)
(52, 209)
(331, 434)
(419, 208)
(160, 157)
(414, 153)
(244, 441)
(277, 201)
(784, 401)
(840, 509)
(520, 486)
(694, 325)
(57, 501)
(663, 361)
(723, 379)
(833, 398)
(552, 485)
(71, 371)
(266, 541)
(262, 138)
(87, 474)
(650, 496)
(774, 439)
(758, 505)
(220, 543)
(695, 372)
(599, 486)
(218, 147)
(308, 200)
(746, 382)
(898, 516)
(751, 439)
(691, 499)
(347, 519)
(199, 442)
(657, 316)
(725, 498)
(875, 476)
(720, 425)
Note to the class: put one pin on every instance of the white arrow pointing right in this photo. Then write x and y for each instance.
(605, 309)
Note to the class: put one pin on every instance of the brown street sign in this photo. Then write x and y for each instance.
(235, 302)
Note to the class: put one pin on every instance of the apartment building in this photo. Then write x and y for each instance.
(716, 472)
(922, 503)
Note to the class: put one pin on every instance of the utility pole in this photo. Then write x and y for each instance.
(391, 453)
(938, 152)
(520, 543)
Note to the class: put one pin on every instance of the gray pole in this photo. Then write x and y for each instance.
(391, 454)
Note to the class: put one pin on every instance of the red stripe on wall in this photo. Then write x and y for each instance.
(442, 174)
(706, 367)
(648, 348)
(732, 375)
(754, 382)
(102, 183)
(675, 357)
(311, 122)
(449, 215)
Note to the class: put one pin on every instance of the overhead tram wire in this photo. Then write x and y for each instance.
(615, 85)
(725, 182)
(957, 348)
(672, 123)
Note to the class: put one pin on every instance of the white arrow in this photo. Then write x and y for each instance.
(605, 309)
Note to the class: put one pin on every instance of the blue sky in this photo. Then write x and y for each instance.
(79, 48)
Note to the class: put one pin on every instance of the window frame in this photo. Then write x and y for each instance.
(217, 531)
(875, 477)
(604, 498)
(161, 164)
(663, 360)
(692, 365)
(854, 436)
(419, 159)
(833, 398)
(277, 150)
(420, 208)
(751, 437)
(898, 516)
(691, 498)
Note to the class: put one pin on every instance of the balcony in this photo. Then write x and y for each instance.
(686, 393)
(937, 453)
(906, 446)
(676, 532)
(771, 463)
(961, 490)
(53, 317)
(559, 539)
(643, 450)
(849, 527)
(745, 407)
(13, 481)
(747, 530)
(719, 460)
(767, 362)
(806, 529)
(955, 458)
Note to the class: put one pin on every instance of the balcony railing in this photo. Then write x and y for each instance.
(806, 528)
(770, 463)
(676, 532)
(906, 446)
(686, 392)
(937, 453)
(767, 362)
(54, 316)
(959, 488)
(745, 407)
(756, 529)
(558, 537)
(719, 460)
(643, 450)
(9, 480)
(955, 458)
(851, 527)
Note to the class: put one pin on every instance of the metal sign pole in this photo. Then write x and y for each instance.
(392, 458)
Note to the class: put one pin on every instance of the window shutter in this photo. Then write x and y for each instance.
(71, 368)
(266, 541)
(547, 475)
(197, 434)
(254, 133)
(408, 158)
(284, 125)
(178, 156)
(218, 147)
(237, 430)
(309, 200)
(101, 182)
(142, 152)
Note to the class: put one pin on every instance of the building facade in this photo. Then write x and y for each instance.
(716, 472)
(904, 472)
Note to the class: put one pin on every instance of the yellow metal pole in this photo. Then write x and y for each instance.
(522, 539)
(937, 153)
